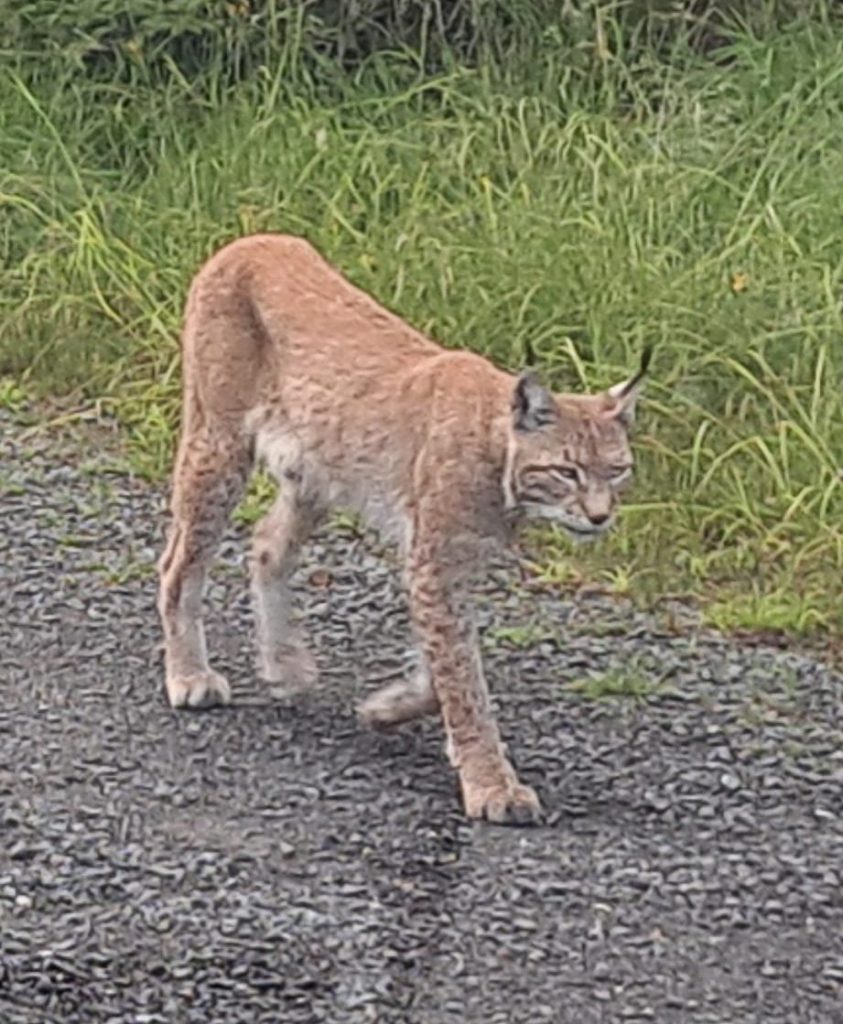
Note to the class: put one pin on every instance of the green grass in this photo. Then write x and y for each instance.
(519, 637)
(12, 395)
(691, 204)
(617, 683)
(777, 611)
(259, 496)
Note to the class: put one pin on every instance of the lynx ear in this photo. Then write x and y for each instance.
(621, 398)
(533, 406)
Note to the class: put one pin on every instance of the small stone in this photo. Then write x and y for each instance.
(730, 781)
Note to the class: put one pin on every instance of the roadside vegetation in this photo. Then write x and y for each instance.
(575, 184)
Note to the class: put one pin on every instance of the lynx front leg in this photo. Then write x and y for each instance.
(443, 622)
(208, 480)
(282, 656)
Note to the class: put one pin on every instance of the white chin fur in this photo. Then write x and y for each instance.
(576, 529)
(583, 536)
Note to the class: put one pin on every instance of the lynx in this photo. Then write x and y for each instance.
(287, 364)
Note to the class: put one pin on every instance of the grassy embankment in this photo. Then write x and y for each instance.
(695, 205)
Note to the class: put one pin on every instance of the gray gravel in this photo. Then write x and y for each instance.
(275, 862)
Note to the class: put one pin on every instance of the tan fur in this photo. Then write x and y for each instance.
(286, 362)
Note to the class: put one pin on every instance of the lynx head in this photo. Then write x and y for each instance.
(569, 455)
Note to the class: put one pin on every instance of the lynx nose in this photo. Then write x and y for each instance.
(598, 518)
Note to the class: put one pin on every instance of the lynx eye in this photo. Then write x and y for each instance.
(619, 472)
(568, 473)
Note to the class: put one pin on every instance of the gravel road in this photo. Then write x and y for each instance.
(275, 862)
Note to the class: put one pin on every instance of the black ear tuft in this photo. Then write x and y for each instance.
(634, 382)
(533, 406)
(623, 397)
(646, 359)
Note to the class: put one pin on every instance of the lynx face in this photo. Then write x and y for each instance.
(570, 456)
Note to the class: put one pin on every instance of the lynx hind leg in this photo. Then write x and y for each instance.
(282, 657)
(209, 478)
(402, 701)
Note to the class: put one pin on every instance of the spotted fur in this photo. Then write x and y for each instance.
(287, 363)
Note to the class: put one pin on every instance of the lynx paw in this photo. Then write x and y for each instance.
(291, 667)
(402, 701)
(196, 690)
(502, 803)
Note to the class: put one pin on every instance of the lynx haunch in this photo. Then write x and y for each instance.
(287, 363)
